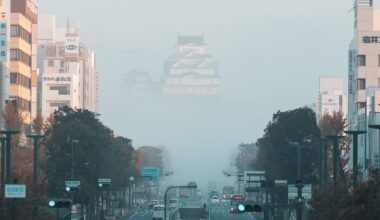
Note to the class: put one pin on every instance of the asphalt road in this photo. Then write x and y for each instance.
(221, 212)
(217, 212)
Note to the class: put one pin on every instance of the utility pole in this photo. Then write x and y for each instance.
(35, 138)
(355, 135)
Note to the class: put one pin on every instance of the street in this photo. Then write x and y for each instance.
(217, 212)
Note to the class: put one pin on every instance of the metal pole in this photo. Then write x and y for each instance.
(335, 161)
(35, 161)
(325, 170)
(8, 159)
(72, 160)
(2, 163)
(298, 162)
(355, 159)
(57, 217)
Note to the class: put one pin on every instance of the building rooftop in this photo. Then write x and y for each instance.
(189, 39)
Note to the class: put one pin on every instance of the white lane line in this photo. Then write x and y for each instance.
(250, 215)
(131, 217)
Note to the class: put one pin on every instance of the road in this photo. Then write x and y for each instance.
(217, 212)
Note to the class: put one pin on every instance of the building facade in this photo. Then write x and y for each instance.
(364, 82)
(68, 74)
(23, 56)
(331, 96)
(191, 70)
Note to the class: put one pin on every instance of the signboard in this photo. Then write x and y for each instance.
(280, 182)
(293, 192)
(3, 36)
(15, 191)
(72, 183)
(371, 39)
(57, 78)
(104, 180)
(72, 44)
(153, 172)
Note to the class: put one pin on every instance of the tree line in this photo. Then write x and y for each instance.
(72, 137)
(276, 153)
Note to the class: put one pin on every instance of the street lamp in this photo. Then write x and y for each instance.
(175, 187)
(8, 136)
(72, 158)
(131, 179)
(355, 135)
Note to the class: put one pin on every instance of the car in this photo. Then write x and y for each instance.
(158, 212)
(215, 200)
(153, 203)
(173, 204)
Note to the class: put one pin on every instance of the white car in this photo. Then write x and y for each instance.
(158, 212)
(173, 204)
(215, 200)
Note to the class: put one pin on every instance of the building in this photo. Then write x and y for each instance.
(23, 56)
(364, 82)
(68, 72)
(4, 54)
(140, 84)
(190, 70)
(331, 97)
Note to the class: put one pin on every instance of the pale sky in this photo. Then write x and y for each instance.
(270, 55)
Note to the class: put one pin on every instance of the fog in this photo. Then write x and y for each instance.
(270, 55)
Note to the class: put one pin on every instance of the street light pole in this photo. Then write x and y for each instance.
(174, 187)
(72, 158)
(378, 164)
(35, 138)
(355, 135)
(8, 136)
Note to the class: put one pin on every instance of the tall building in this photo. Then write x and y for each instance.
(331, 96)
(191, 70)
(68, 72)
(5, 16)
(23, 60)
(364, 81)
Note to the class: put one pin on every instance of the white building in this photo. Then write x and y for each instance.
(364, 81)
(331, 96)
(190, 70)
(68, 72)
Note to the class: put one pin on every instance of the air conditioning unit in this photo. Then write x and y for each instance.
(61, 70)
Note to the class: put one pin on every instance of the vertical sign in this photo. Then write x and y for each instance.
(3, 35)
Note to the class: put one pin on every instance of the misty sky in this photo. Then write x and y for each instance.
(270, 55)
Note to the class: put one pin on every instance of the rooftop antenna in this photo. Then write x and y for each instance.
(68, 26)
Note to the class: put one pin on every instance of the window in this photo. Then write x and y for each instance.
(16, 78)
(3, 25)
(22, 103)
(361, 59)
(18, 31)
(360, 84)
(50, 63)
(360, 105)
(18, 55)
(2, 43)
(62, 89)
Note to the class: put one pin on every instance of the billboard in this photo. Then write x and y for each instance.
(72, 44)
(3, 35)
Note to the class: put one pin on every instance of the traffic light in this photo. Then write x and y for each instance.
(103, 186)
(249, 208)
(72, 188)
(59, 203)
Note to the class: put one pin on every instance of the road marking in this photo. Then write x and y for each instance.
(133, 215)
(250, 215)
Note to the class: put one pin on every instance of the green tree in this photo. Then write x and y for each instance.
(277, 153)
(98, 154)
